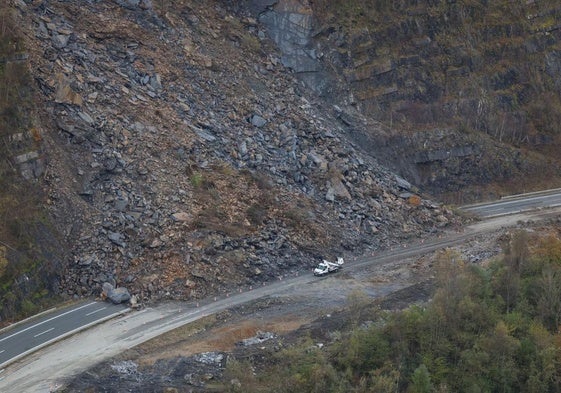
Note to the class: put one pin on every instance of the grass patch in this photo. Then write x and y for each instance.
(196, 180)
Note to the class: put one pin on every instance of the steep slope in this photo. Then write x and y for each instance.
(30, 252)
(460, 97)
(184, 158)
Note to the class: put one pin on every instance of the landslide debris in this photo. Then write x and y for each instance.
(183, 158)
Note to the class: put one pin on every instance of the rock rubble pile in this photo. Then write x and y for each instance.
(185, 160)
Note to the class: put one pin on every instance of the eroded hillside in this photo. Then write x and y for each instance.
(185, 147)
(183, 158)
(459, 97)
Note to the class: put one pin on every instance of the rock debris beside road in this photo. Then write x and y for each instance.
(183, 159)
(180, 358)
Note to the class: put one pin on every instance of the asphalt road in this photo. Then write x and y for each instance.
(48, 369)
(516, 204)
(29, 336)
(33, 334)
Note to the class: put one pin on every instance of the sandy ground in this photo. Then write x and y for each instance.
(278, 307)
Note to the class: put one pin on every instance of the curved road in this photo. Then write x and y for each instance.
(35, 333)
(516, 204)
(138, 327)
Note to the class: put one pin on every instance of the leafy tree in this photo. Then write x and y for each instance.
(549, 302)
(364, 351)
(548, 250)
(501, 347)
(420, 381)
(384, 380)
(471, 374)
(515, 257)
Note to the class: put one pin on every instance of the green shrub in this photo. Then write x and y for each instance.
(196, 180)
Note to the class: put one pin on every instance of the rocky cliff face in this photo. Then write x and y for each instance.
(190, 147)
(448, 93)
(182, 157)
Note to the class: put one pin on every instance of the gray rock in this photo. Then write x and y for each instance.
(145, 4)
(243, 148)
(258, 121)
(110, 164)
(86, 189)
(156, 82)
(210, 358)
(330, 195)
(86, 261)
(87, 118)
(27, 157)
(60, 41)
(106, 288)
(406, 195)
(21, 4)
(134, 4)
(339, 190)
(181, 216)
(207, 136)
(402, 183)
(121, 205)
(116, 238)
(65, 94)
(125, 367)
(258, 6)
(259, 338)
(119, 295)
(318, 160)
(134, 302)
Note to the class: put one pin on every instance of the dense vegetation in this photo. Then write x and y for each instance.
(26, 247)
(493, 329)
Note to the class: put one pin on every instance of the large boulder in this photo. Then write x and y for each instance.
(116, 295)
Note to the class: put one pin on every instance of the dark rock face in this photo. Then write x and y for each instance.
(421, 74)
(291, 31)
(257, 7)
(290, 24)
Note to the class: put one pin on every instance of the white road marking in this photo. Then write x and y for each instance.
(48, 320)
(46, 331)
(500, 204)
(93, 312)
